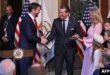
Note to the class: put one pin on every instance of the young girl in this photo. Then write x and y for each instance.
(107, 24)
(106, 38)
(108, 44)
(97, 53)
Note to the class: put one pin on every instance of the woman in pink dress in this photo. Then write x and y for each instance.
(95, 28)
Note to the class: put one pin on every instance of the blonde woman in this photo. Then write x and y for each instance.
(95, 28)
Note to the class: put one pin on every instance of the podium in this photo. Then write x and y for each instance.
(16, 54)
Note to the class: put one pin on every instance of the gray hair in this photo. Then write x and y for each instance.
(8, 67)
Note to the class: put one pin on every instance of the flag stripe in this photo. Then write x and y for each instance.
(82, 28)
(80, 45)
(80, 52)
(84, 25)
(38, 53)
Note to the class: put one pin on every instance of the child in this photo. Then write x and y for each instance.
(106, 38)
(108, 44)
(107, 24)
(97, 53)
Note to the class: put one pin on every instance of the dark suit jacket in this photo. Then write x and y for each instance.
(28, 37)
(10, 29)
(63, 41)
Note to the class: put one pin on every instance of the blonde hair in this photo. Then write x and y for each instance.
(96, 13)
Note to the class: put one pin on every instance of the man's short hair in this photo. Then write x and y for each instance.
(33, 6)
(65, 7)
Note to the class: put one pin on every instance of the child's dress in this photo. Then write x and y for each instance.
(97, 61)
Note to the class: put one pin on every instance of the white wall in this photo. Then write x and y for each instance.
(52, 8)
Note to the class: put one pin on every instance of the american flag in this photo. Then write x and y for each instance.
(86, 14)
(17, 32)
(84, 25)
(23, 14)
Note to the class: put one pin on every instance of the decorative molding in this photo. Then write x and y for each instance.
(108, 5)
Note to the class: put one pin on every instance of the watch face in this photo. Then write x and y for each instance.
(18, 53)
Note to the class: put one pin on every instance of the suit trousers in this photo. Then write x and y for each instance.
(23, 65)
(68, 55)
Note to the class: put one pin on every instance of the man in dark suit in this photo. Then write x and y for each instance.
(7, 29)
(63, 29)
(28, 37)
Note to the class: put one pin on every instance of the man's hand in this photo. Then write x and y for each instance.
(76, 36)
(4, 39)
(43, 40)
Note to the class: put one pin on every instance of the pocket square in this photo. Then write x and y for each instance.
(71, 29)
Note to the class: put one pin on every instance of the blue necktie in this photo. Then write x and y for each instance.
(63, 25)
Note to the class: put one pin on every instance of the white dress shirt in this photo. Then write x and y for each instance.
(32, 17)
(66, 23)
(6, 23)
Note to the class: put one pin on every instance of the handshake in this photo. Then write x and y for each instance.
(43, 40)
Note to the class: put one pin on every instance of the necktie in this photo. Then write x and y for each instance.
(5, 27)
(36, 23)
(6, 22)
(63, 25)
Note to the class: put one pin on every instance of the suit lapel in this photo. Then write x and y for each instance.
(32, 22)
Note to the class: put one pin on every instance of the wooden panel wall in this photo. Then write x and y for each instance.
(104, 8)
(64, 2)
